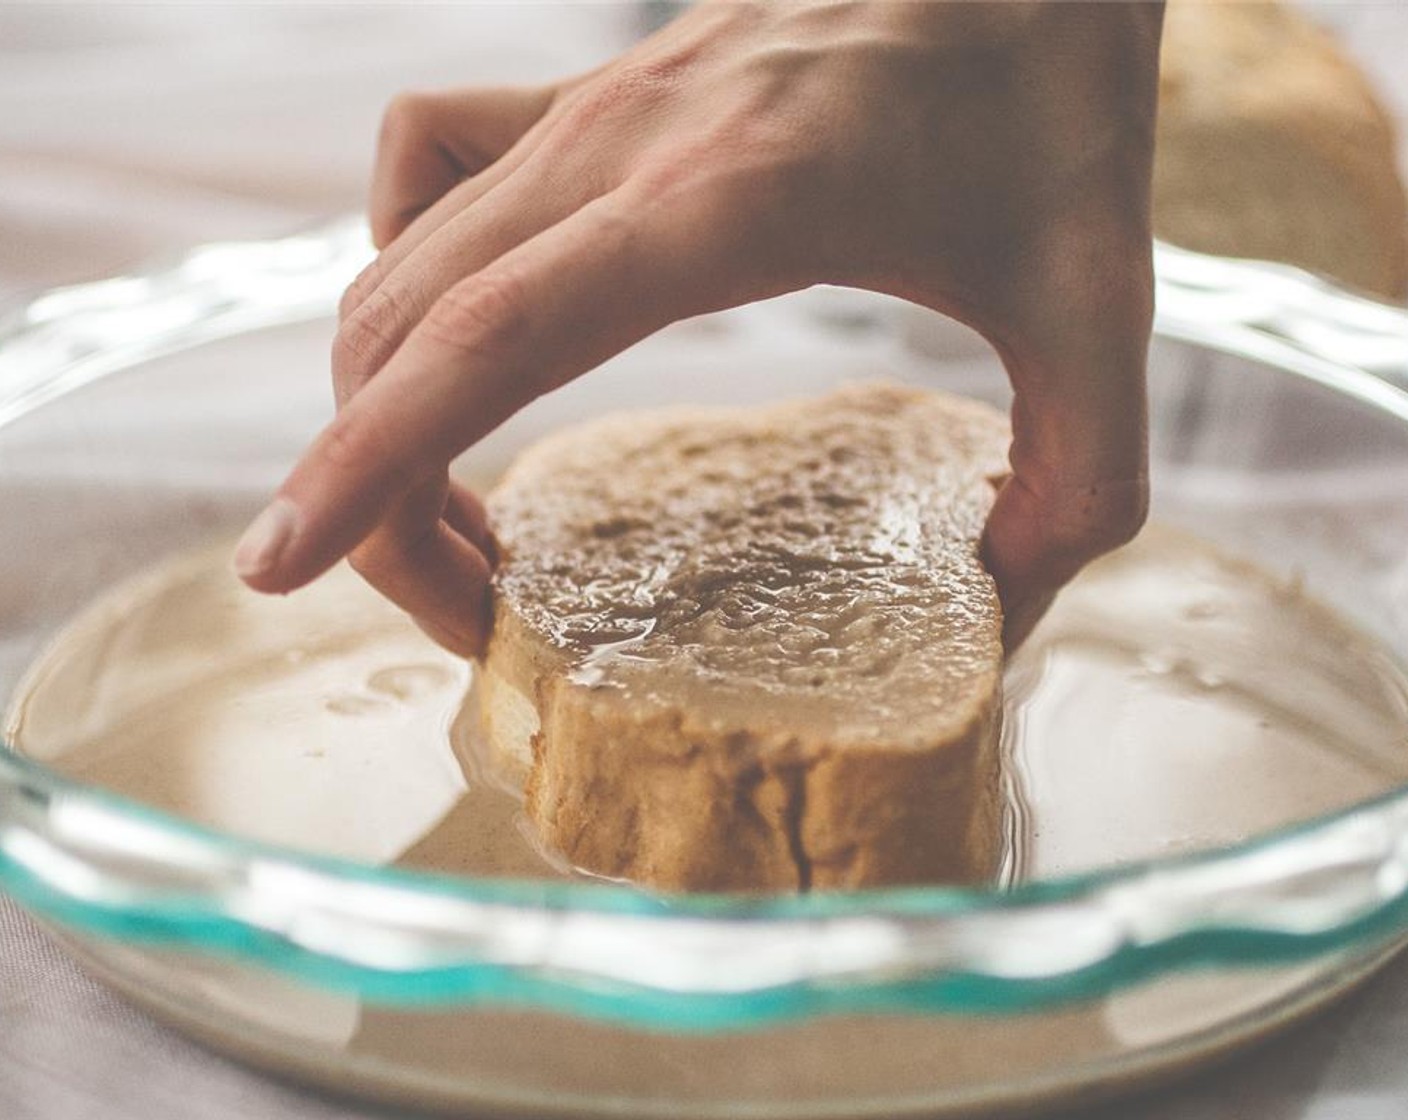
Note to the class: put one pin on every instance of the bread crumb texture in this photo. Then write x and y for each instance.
(761, 646)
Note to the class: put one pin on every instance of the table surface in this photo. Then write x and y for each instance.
(127, 132)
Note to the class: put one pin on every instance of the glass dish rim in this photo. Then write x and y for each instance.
(95, 862)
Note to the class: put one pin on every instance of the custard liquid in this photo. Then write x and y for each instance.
(1173, 699)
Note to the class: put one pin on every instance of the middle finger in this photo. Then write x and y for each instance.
(515, 211)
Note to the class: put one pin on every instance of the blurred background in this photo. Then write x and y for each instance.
(130, 130)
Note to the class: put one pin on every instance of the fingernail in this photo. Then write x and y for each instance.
(266, 538)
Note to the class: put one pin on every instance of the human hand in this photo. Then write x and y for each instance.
(988, 161)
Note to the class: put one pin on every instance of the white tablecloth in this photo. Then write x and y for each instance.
(127, 132)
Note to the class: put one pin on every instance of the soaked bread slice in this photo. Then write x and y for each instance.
(754, 649)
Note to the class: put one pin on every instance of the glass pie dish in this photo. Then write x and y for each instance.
(153, 414)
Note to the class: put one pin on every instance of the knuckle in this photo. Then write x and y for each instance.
(647, 77)
(367, 338)
(349, 443)
(487, 312)
(366, 282)
(586, 108)
(1097, 519)
(625, 91)
(583, 113)
(358, 446)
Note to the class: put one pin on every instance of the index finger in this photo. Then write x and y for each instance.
(551, 309)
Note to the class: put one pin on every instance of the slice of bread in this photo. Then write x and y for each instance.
(1271, 144)
(755, 649)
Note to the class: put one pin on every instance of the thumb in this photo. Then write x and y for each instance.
(1079, 485)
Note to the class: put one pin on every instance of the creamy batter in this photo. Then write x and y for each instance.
(1174, 699)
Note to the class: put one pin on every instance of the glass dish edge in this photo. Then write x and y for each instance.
(98, 864)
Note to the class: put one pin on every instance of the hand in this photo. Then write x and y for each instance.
(988, 161)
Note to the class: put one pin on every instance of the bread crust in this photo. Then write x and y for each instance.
(743, 650)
